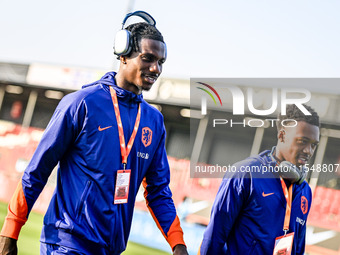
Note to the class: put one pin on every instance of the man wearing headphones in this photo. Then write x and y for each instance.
(96, 136)
(263, 207)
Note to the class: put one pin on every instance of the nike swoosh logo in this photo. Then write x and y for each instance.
(101, 129)
(266, 195)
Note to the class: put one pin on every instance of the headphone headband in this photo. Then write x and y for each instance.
(123, 44)
(142, 14)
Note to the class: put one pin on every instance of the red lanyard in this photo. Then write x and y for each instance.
(288, 195)
(125, 150)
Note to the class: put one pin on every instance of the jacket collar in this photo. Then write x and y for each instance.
(125, 95)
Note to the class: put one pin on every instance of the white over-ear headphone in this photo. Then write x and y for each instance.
(123, 45)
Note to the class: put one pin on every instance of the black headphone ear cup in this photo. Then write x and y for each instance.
(122, 44)
(303, 174)
(292, 173)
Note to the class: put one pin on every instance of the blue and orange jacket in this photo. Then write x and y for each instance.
(82, 137)
(249, 211)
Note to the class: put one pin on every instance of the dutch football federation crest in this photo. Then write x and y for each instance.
(146, 136)
(304, 205)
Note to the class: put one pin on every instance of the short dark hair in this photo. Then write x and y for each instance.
(142, 30)
(293, 112)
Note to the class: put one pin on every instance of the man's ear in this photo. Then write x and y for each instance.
(122, 59)
(282, 135)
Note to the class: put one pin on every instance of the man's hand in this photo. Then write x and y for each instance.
(8, 246)
(180, 249)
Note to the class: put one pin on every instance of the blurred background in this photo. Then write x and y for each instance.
(49, 49)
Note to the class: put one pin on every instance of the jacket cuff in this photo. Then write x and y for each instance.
(12, 227)
(175, 234)
(176, 239)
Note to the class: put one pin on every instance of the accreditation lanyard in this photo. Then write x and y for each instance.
(283, 244)
(125, 150)
(288, 195)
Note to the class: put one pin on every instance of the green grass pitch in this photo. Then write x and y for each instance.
(29, 244)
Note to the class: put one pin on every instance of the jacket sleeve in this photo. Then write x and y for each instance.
(55, 141)
(158, 196)
(232, 194)
(301, 239)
